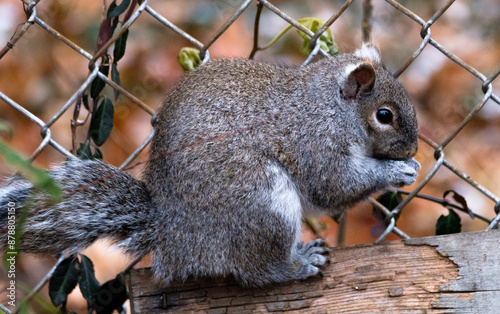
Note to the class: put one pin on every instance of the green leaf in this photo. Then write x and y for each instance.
(84, 151)
(390, 199)
(461, 200)
(39, 177)
(41, 304)
(448, 224)
(111, 296)
(97, 84)
(326, 40)
(111, 10)
(102, 122)
(64, 280)
(97, 154)
(87, 281)
(120, 46)
(115, 10)
(6, 128)
(23, 308)
(189, 58)
(115, 77)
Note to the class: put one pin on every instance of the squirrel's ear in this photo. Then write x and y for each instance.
(368, 51)
(360, 79)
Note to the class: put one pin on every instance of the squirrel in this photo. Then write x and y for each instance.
(241, 150)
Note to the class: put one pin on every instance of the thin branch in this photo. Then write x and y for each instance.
(342, 230)
(256, 31)
(76, 113)
(366, 25)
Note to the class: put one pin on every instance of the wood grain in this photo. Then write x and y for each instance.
(457, 273)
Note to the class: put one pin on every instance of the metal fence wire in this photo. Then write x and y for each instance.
(144, 8)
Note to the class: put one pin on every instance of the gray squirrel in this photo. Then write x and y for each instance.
(241, 150)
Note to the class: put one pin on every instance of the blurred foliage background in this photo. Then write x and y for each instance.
(41, 73)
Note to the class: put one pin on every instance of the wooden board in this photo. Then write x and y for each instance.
(457, 273)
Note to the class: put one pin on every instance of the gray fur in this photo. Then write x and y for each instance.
(257, 139)
(98, 201)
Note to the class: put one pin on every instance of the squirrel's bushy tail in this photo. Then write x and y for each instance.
(99, 201)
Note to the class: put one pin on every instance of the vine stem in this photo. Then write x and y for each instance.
(445, 203)
(256, 31)
(129, 267)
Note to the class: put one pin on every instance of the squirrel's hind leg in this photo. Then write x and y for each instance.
(304, 261)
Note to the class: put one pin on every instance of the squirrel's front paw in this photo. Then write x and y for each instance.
(403, 172)
(308, 258)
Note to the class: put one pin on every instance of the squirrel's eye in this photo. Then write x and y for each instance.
(384, 116)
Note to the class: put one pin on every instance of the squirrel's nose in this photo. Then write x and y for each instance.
(413, 151)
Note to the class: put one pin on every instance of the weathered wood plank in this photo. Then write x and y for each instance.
(447, 274)
(477, 256)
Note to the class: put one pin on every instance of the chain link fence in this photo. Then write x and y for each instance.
(144, 8)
